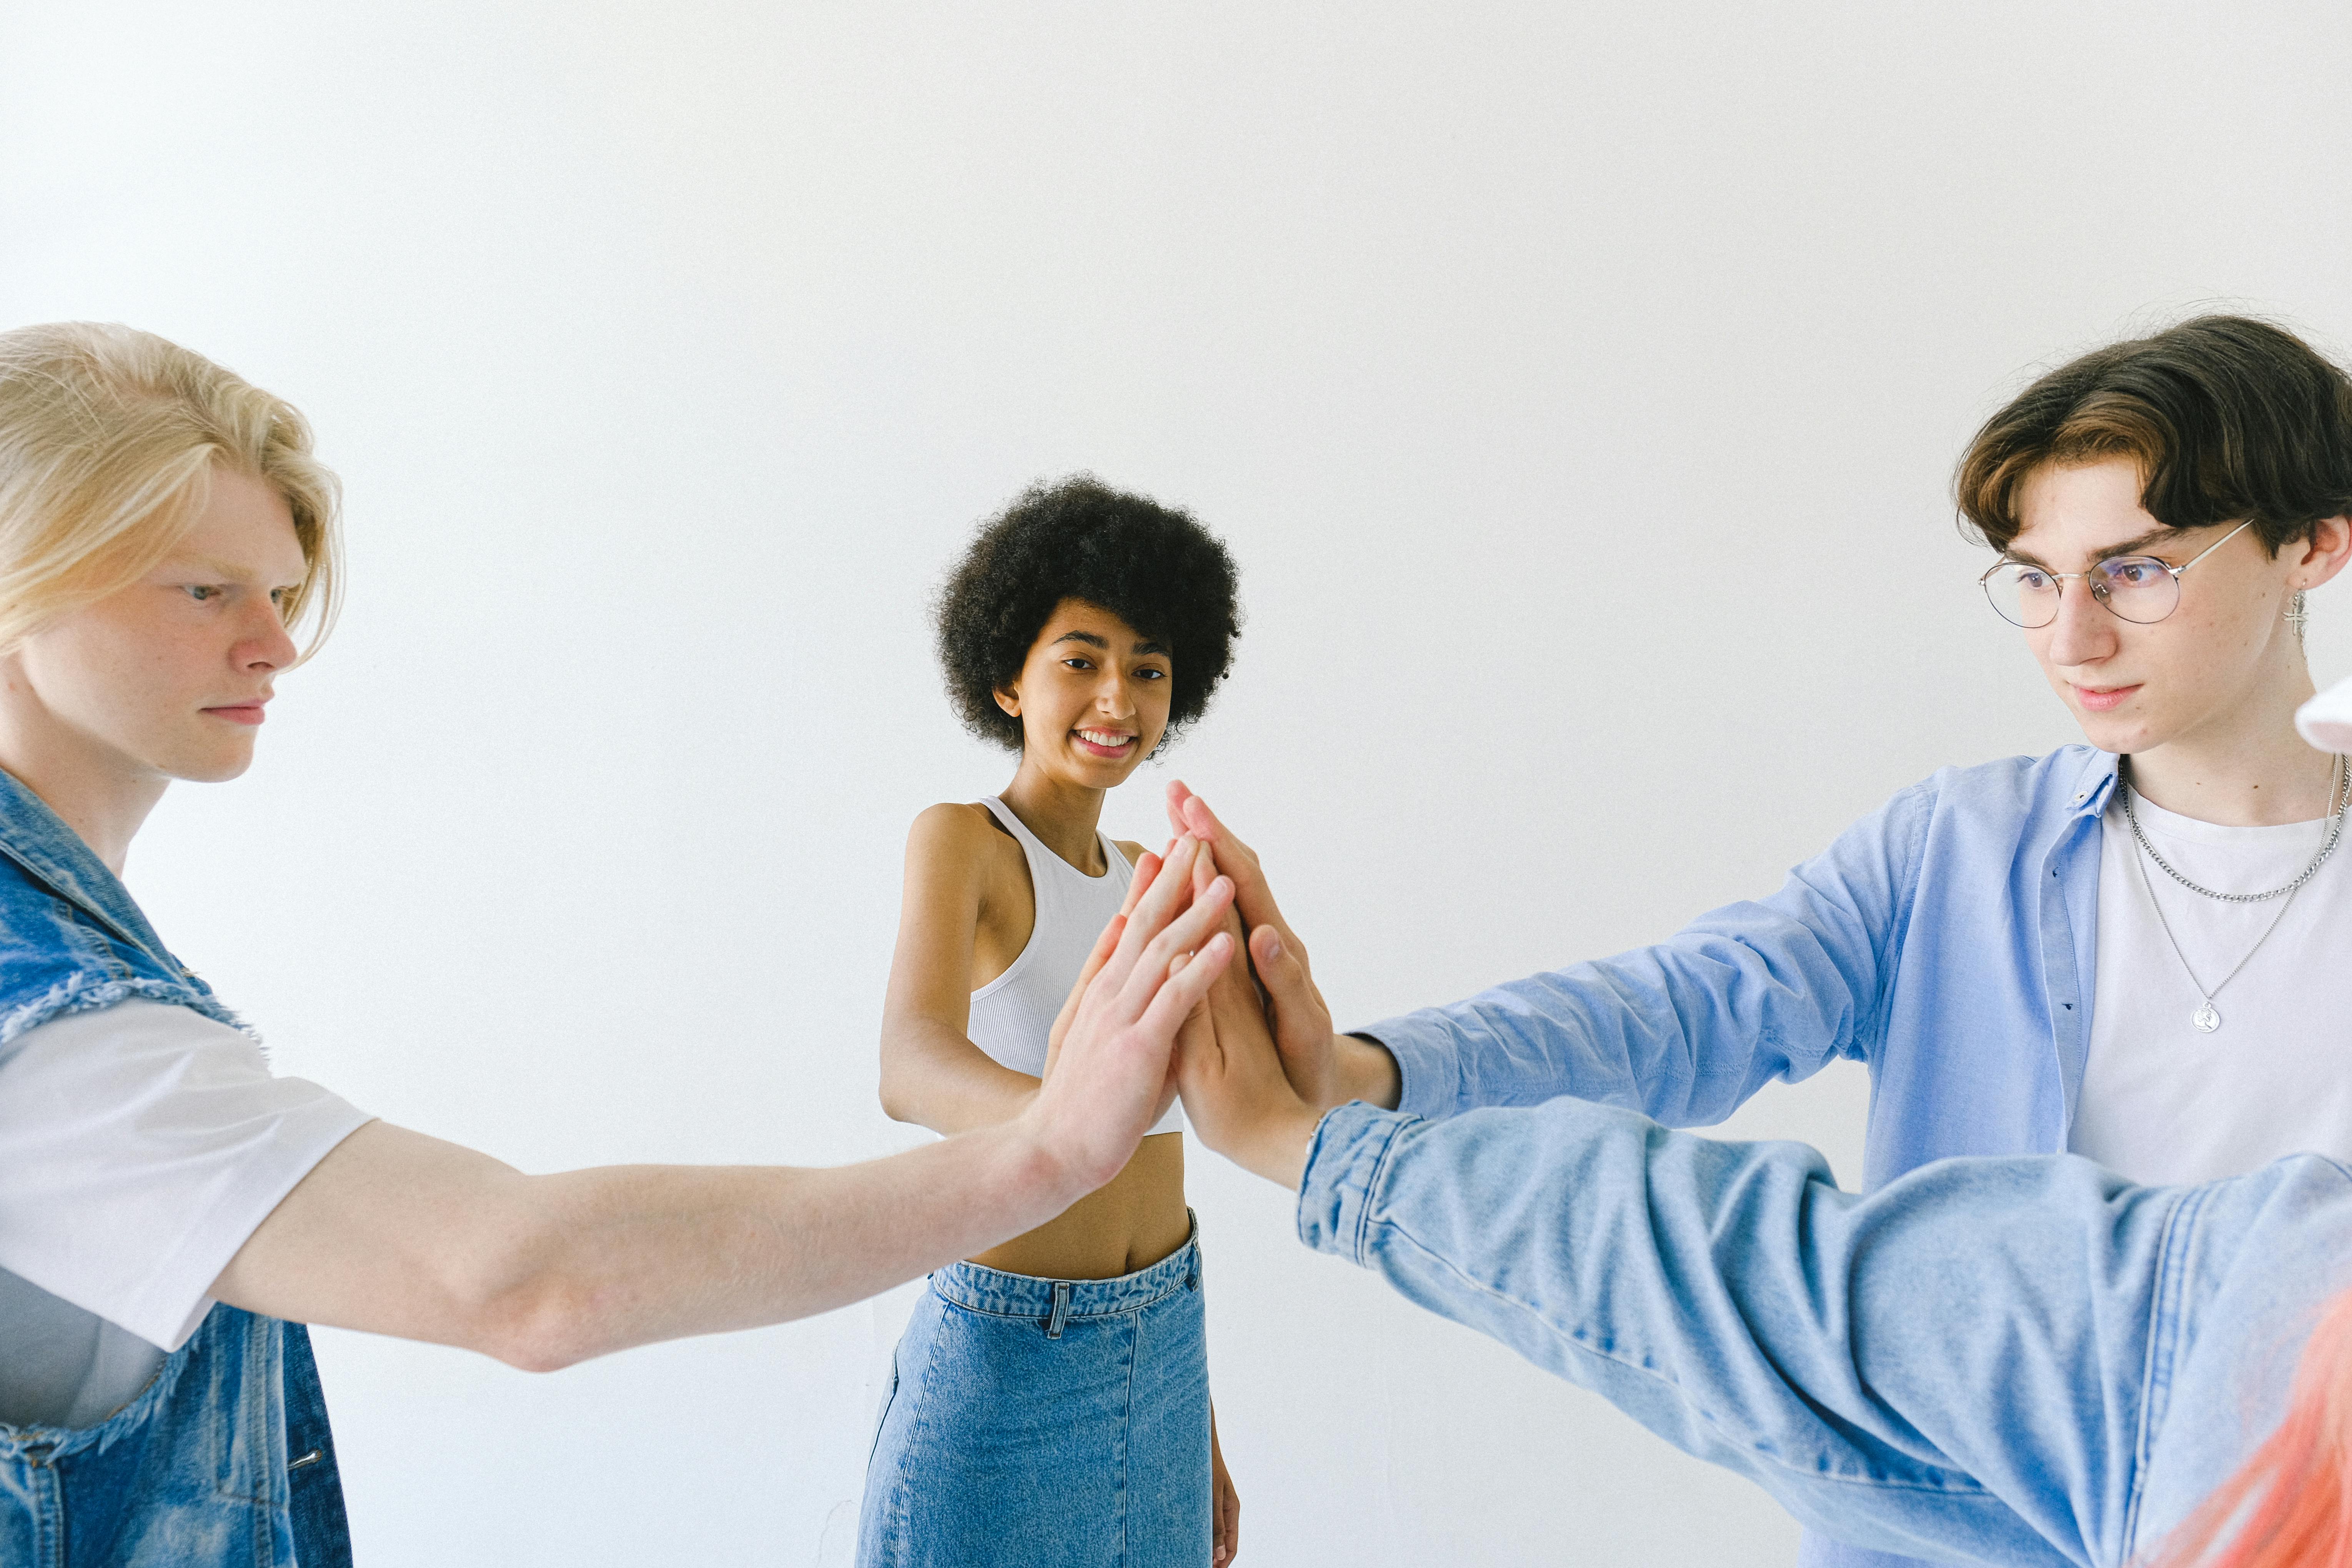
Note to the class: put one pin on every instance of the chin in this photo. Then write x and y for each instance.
(2123, 736)
(216, 768)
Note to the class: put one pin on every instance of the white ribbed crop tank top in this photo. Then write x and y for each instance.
(1013, 1015)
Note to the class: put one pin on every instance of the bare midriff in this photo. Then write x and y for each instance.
(1132, 1223)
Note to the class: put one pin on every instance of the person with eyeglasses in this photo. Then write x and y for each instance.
(2130, 949)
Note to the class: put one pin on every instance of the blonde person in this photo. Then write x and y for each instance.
(1051, 1403)
(173, 1213)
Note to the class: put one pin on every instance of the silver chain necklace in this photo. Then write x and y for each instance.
(2207, 1019)
(2337, 797)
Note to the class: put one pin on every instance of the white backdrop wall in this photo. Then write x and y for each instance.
(1577, 387)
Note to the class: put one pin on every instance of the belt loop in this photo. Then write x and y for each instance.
(1061, 1310)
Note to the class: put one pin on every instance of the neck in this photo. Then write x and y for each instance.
(2253, 772)
(1063, 816)
(105, 804)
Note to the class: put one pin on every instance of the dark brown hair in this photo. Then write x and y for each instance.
(2227, 417)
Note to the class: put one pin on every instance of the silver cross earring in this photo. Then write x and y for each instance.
(2298, 614)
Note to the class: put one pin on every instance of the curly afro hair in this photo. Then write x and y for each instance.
(1152, 566)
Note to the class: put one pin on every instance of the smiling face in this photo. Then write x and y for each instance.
(1092, 697)
(2224, 652)
(166, 678)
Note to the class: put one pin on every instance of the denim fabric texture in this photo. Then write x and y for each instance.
(2021, 1361)
(1051, 1423)
(1948, 940)
(226, 1457)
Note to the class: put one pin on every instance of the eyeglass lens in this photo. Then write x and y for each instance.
(2138, 588)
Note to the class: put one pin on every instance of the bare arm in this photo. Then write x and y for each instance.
(399, 1234)
(932, 1074)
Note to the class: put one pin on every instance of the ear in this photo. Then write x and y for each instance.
(1008, 699)
(2325, 552)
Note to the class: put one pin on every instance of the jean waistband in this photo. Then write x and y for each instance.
(983, 1290)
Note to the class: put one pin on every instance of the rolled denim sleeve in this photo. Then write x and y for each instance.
(1686, 1030)
(1951, 1367)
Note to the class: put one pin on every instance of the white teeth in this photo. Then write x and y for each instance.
(1104, 738)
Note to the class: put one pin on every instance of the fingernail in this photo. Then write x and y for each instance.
(1274, 947)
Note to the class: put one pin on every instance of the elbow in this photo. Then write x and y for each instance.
(896, 1092)
(546, 1328)
(514, 1296)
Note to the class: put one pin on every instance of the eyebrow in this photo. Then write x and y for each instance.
(221, 571)
(2141, 545)
(1143, 644)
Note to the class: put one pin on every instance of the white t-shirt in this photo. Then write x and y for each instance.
(142, 1144)
(2163, 1103)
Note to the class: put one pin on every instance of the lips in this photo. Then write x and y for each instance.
(2100, 702)
(1104, 743)
(240, 712)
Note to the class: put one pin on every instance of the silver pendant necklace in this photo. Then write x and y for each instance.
(2208, 1017)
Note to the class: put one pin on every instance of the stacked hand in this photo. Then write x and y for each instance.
(1109, 1072)
(1260, 1064)
(1257, 1063)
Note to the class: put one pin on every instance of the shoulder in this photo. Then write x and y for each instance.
(955, 836)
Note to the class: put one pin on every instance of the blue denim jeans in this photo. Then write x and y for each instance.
(1047, 1422)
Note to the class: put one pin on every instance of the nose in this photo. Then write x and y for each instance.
(265, 645)
(2084, 633)
(1113, 697)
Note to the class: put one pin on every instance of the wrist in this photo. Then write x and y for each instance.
(1278, 1152)
(1043, 1174)
(1367, 1071)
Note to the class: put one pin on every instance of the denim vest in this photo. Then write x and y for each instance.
(226, 1457)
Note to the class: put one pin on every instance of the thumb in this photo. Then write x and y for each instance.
(1289, 993)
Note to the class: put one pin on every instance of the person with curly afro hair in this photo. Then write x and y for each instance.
(1051, 1403)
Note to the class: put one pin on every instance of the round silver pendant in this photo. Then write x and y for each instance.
(2206, 1019)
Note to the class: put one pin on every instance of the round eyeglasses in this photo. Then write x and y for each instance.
(2137, 588)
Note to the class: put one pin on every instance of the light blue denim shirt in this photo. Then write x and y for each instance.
(2010, 1360)
(1948, 940)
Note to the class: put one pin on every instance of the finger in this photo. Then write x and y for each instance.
(1181, 992)
(1171, 890)
(1147, 868)
(1177, 795)
(1287, 987)
(1184, 933)
(1237, 860)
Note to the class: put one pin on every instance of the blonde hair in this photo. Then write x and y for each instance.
(109, 437)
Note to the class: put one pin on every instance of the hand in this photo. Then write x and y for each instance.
(1327, 1069)
(1237, 1097)
(1109, 1077)
(1226, 1502)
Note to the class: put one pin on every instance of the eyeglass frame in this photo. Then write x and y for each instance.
(1985, 582)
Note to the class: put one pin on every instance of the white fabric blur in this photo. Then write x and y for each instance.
(143, 1144)
(1013, 1016)
(2162, 1102)
(2326, 721)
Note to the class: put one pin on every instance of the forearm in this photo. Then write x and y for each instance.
(936, 1077)
(395, 1233)
(1970, 1336)
(652, 1253)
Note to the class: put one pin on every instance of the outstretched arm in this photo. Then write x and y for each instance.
(1953, 1367)
(1683, 1030)
(399, 1234)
